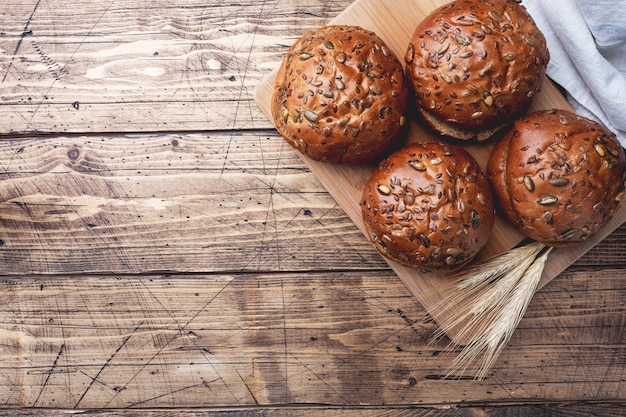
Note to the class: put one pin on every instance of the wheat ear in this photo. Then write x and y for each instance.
(485, 305)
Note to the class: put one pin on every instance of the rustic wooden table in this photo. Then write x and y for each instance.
(162, 249)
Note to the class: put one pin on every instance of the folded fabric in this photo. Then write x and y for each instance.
(587, 43)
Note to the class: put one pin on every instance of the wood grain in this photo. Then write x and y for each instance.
(345, 183)
(175, 203)
(537, 410)
(262, 339)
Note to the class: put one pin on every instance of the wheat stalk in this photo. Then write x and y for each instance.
(485, 305)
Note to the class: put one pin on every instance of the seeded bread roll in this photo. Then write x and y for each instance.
(340, 95)
(557, 176)
(428, 206)
(474, 66)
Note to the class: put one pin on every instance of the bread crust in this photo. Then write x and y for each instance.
(474, 66)
(340, 95)
(428, 206)
(557, 176)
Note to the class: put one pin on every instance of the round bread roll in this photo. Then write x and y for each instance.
(557, 176)
(428, 206)
(340, 95)
(474, 66)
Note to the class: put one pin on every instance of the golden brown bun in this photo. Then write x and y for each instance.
(428, 206)
(474, 66)
(557, 176)
(340, 95)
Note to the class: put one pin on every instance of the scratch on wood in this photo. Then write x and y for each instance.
(242, 77)
(181, 330)
(25, 32)
(56, 70)
(167, 394)
(248, 388)
(62, 69)
(285, 338)
(322, 380)
(108, 361)
(52, 368)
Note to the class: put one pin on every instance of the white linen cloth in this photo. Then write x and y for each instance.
(587, 44)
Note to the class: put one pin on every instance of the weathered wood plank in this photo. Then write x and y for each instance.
(178, 203)
(123, 67)
(264, 339)
(537, 410)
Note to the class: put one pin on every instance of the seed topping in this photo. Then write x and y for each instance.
(548, 200)
(495, 16)
(559, 182)
(462, 40)
(311, 116)
(375, 89)
(417, 165)
(547, 217)
(488, 99)
(475, 219)
(600, 150)
(383, 189)
(510, 56)
(483, 71)
(574, 208)
(344, 120)
(410, 53)
(446, 78)
(529, 184)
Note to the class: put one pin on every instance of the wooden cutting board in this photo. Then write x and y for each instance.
(394, 21)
